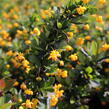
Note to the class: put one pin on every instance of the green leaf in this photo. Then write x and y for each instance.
(33, 59)
(94, 48)
(82, 57)
(5, 99)
(6, 73)
(48, 85)
(89, 70)
(92, 9)
(2, 100)
(6, 105)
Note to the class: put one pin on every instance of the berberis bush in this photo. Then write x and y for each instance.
(54, 54)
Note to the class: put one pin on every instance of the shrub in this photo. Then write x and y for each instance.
(56, 58)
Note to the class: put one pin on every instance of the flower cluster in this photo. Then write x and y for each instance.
(19, 61)
(57, 94)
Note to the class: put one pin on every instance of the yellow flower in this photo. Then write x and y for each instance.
(25, 31)
(1, 26)
(86, 27)
(15, 24)
(54, 55)
(38, 78)
(16, 84)
(81, 10)
(28, 104)
(79, 41)
(70, 35)
(50, 74)
(105, 47)
(106, 60)
(59, 71)
(73, 57)
(28, 92)
(68, 48)
(46, 13)
(21, 107)
(87, 37)
(35, 102)
(19, 33)
(61, 63)
(53, 100)
(20, 61)
(9, 26)
(57, 87)
(47, 74)
(27, 69)
(7, 66)
(98, 28)
(36, 31)
(3, 43)
(15, 16)
(27, 42)
(59, 93)
(85, 1)
(25, 63)
(6, 15)
(4, 34)
(64, 74)
(99, 19)
(73, 27)
(23, 86)
(102, 2)
(19, 100)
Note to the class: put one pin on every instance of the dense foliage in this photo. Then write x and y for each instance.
(54, 54)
